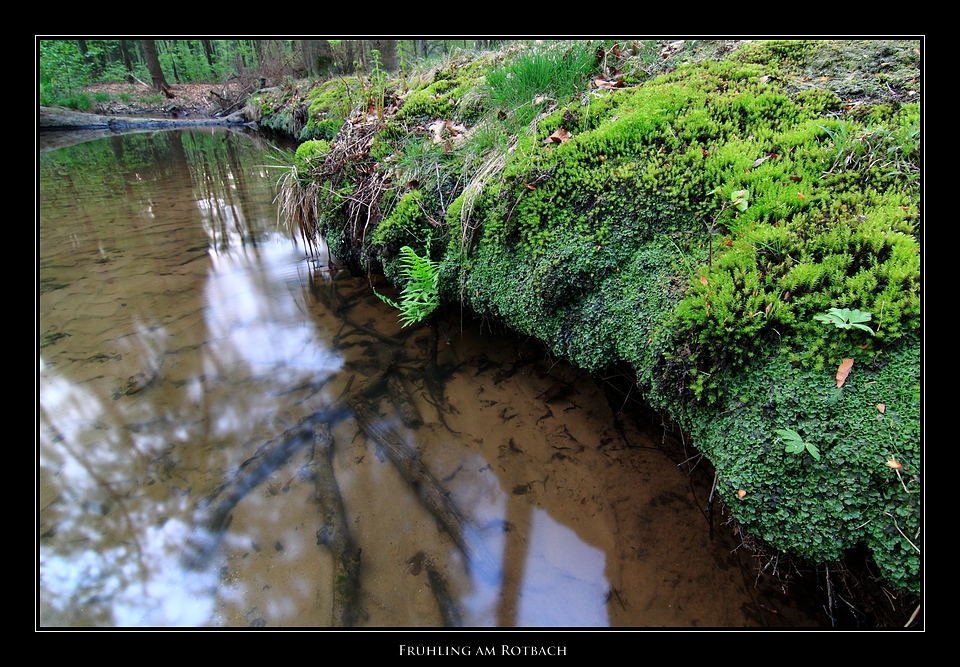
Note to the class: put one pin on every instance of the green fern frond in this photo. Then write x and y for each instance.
(420, 295)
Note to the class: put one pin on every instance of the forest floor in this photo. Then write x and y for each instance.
(193, 99)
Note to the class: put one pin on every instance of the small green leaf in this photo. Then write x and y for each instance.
(846, 318)
(794, 444)
(794, 447)
(739, 199)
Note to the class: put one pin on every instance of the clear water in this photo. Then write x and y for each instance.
(181, 329)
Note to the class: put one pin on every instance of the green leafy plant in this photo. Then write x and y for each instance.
(794, 444)
(740, 200)
(420, 296)
(846, 318)
(376, 84)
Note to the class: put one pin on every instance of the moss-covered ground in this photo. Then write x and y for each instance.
(691, 210)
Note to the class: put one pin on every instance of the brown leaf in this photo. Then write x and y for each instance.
(703, 280)
(881, 407)
(561, 136)
(607, 84)
(843, 371)
(893, 463)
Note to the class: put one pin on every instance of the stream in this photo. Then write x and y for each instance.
(197, 367)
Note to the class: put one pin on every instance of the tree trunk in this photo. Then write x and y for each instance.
(208, 52)
(360, 60)
(388, 53)
(153, 65)
(258, 50)
(88, 58)
(127, 62)
(317, 56)
(169, 47)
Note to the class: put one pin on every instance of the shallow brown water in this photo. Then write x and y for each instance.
(180, 330)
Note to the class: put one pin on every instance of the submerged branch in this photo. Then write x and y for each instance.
(334, 532)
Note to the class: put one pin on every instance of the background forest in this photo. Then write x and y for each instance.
(66, 66)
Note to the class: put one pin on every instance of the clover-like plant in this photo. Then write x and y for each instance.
(794, 444)
(845, 318)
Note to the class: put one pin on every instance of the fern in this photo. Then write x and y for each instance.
(420, 295)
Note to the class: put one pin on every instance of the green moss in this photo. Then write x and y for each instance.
(310, 150)
(613, 247)
(446, 95)
(328, 107)
(407, 225)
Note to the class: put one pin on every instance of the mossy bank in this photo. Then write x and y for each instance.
(732, 221)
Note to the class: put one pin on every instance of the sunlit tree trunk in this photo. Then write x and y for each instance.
(361, 56)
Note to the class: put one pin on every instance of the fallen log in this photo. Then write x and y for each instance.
(409, 413)
(213, 513)
(431, 494)
(57, 118)
(334, 533)
(448, 608)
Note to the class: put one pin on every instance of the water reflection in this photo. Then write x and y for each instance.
(190, 356)
(173, 289)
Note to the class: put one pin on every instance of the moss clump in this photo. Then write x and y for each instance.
(311, 150)
(608, 242)
(407, 225)
(328, 106)
(831, 224)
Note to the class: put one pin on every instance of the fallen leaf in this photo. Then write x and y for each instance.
(893, 463)
(741, 493)
(561, 136)
(881, 407)
(703, 280)
(843, 371)
(606, 84)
